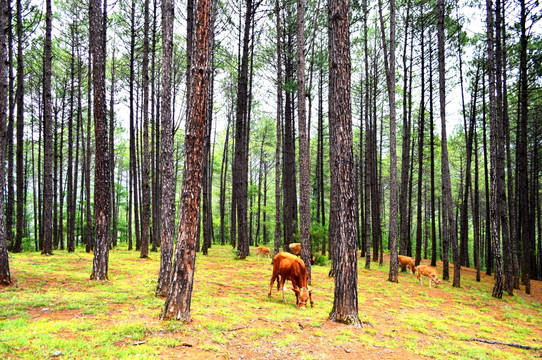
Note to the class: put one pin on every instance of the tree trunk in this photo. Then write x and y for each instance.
(345, 303)
(47, 224)
(389, 62)
(5, 276)
(241, 133)
(279, 131)
(368, 132)
(494, 128)
(420, 147)
(145, 173)
(19, 96)
(405, 160)
(446, 182)
(167, 215)
(180, 293)
(522, 155)
(111, 151)
(304, 151)
(102, 186)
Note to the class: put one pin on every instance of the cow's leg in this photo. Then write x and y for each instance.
(271, 283)
(281, 285)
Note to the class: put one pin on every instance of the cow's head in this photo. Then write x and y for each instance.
(437, 281)
(303, 295)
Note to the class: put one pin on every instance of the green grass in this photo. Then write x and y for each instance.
(54, 307)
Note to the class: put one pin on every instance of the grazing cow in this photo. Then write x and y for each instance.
(295, 248)
(408, 262)
(264, 251)
(289, 267)
(429, 272)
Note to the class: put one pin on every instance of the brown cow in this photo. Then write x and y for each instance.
(264, 251)
(295, 248)
(408, 262)
(289, 267)
(429, 272)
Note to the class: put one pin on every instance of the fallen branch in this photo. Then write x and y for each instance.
(527, 347)
(239, 328)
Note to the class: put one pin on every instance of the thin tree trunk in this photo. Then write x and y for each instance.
(522, 154)
(420, 147)
(494, 128)
(48, 137)
(5, 276)
(20, 131)
(304, 151)
(279, 131)
(102, 186)
(446, 182)
(179, 296)
(167, 205)
(389, 61)
(145, 175)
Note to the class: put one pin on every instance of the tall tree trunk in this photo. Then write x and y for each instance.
(432, 146)
(89, 241)
(446, 182)
(145, 175)
(279, 131)
(19, 96)
(368, 132)
(180, 293)
(48, 137)
(512, 210)
(494, 128)
(5, 276)
(241, 133)
(223, 180)
(102, 186)
(112, 151)
(304, 151)
(405, 160)
(389, 62)
(167, 206)
(9, 134)
(476, 201)
(345, 303)
(489, 254)
(420, 148)
(522, 154)
(503, 208)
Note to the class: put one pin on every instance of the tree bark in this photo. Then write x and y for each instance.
(102, 186)
(304, 151)
(446, 182)
(494, 128)
(522, 155)
(5, 275)
(180, 293)
(19, 96)
(279, 132)
(389, 62)
(167, 215)
(345, 303)
(48, 137)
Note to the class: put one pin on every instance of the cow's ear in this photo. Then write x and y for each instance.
(295, 290)
(310, 292)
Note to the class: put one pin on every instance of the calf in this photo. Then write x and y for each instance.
(408, 262)
(289, 267)
(264, 251)
(295, 248)
(429, 272)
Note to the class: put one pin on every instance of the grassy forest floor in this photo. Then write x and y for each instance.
(53, 310)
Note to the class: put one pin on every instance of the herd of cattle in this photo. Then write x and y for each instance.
(288, 266)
